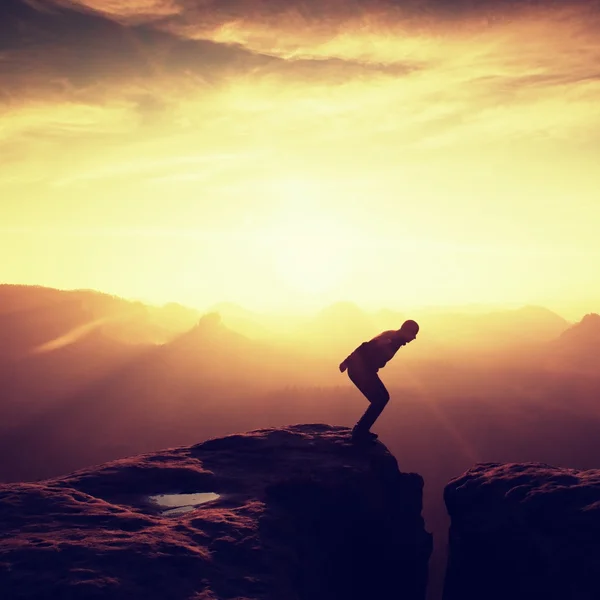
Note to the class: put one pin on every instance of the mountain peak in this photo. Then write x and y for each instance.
(591, 320)
(588, 329)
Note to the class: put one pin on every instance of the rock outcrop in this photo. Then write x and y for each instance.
(523, 531)
(301, 514)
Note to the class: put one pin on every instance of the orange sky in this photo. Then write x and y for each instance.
(290, 154)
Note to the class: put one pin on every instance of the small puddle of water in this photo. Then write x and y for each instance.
(181, 503)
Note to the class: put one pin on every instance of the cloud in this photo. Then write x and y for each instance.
(58, 50)
(115, 84)
(290, 27)
(81, 41)
(166, 168)
(95, 49)
(321, 11)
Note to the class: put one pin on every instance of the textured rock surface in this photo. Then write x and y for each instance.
(524, 531)
(302, 515)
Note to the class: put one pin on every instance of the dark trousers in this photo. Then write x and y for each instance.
(372, 388)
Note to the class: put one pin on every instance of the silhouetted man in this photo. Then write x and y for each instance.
(363, 365)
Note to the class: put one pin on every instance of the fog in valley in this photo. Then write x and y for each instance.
(86, 378)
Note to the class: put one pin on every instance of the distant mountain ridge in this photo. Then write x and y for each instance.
(335, 328)
(34, 315)
(578, 347)
(587, 331)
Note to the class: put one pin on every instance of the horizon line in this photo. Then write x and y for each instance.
(213, 306)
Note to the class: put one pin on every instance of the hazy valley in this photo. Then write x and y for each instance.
(86, 378)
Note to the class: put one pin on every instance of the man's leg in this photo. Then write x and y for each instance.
(375, 392)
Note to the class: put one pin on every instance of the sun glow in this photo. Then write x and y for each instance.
(310, 257)
(310, 250)
(380, 155)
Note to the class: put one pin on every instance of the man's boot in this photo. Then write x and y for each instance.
(360, 435)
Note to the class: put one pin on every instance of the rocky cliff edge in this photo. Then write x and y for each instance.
(297, 513)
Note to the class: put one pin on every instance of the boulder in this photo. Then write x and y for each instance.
(523, 531)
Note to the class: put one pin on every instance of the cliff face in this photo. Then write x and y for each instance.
(301, 514)
(523, 531)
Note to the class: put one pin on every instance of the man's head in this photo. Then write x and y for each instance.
(409, 330)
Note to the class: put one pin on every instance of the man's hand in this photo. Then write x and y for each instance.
(343, 366)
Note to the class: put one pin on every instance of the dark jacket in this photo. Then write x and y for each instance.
(375, 354)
